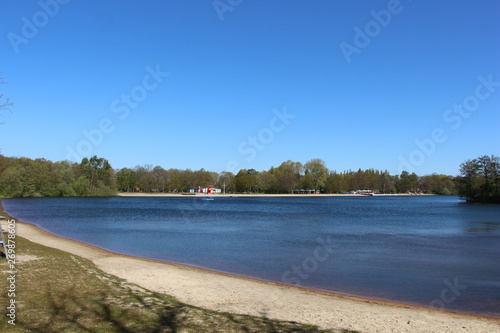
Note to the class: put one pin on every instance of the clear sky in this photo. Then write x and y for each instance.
(232, 84)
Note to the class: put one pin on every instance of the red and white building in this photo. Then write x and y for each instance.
(205, 190)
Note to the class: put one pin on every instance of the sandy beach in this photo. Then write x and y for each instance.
(222, 292)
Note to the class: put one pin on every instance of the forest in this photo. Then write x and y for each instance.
(25, 178)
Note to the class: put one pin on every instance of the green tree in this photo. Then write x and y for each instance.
(5, 163)
(204, 178)
(480, 179)
(336, 183)
(144, 177)
(437, 184)
(11, 183)
(387, 183)
(125, 180)
(267, 182)
(407, 182)
(246, 180)
(82, 186)
(175, 180)
(159, 178)
(225, 181)
(288, 176)
(100, 176)
(316, 174)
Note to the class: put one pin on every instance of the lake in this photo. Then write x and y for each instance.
(432, 251)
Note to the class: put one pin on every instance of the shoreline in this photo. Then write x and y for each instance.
(236, 294)
(257, 195)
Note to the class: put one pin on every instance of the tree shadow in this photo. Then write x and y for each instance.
(137, 311)
(69, 314)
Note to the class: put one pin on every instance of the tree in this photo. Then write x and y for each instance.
(226, 181)
(336, 183)
(246, 180)
(315, 174)
(63, 178)
(5, 103)
(174, 180)
(125, 180)
(144, 177)
(407, 182)
(288, 176)
(160, 178)
(267, 182)
(99, 174)
(437, 184)
(387, 183)
(204, 178)
(480, 179)
(11, 183)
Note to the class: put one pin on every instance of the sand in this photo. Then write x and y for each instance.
(222, 292)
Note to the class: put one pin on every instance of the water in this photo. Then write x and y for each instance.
(430, 251)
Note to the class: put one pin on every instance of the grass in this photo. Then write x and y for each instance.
(60, 292)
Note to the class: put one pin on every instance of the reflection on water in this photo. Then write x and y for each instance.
(406, 249)
(482, 226)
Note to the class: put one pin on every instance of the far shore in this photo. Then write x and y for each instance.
(249, 195)
(228, 293)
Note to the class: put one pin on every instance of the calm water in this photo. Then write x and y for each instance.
(430, 251)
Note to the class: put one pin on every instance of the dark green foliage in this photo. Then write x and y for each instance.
(407, 182)
(125, 180)
(315, 174)
(438, 184)
(287, 176)
(369, 179)
(247, 181)
(480, 179)
(27, 178)
(98, 171)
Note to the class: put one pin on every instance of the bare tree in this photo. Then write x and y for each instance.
(5, 103)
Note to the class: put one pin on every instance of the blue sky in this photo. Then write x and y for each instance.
(224, 85)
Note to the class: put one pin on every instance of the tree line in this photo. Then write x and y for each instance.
(24, 177)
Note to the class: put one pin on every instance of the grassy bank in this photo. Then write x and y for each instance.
(60, 292)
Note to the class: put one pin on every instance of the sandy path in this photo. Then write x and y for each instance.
(246, 296)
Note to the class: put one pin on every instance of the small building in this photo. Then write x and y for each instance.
(205, 190)
(364, 192)
(302, 191)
